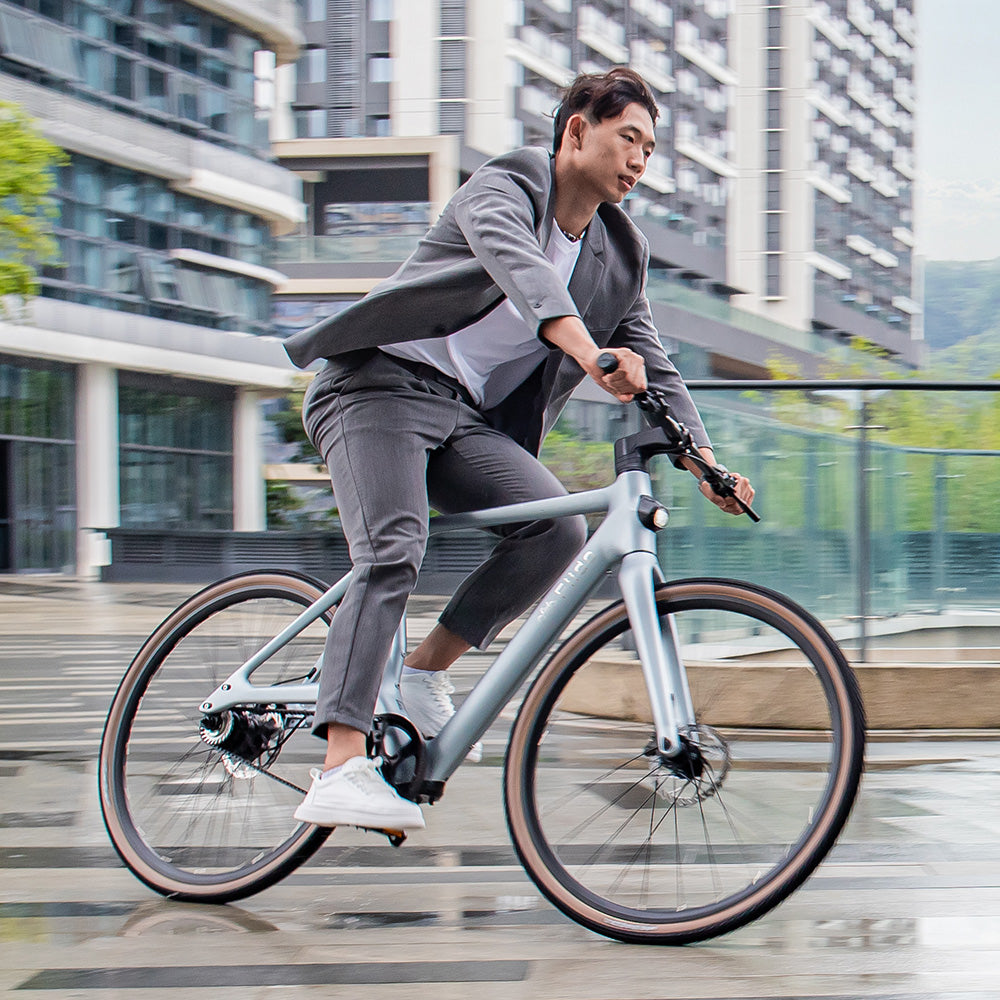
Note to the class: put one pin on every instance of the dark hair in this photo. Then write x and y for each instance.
(603, 95)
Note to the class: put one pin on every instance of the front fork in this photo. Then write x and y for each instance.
(658, 648)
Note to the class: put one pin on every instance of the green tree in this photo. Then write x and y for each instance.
(27, 162)
(288, 421)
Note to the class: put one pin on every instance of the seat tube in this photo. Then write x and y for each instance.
(658, 653)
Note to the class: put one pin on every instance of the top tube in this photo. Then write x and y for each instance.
(588, 502)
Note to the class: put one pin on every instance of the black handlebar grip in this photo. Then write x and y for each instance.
(607, 362)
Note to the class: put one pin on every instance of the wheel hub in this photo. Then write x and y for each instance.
(698, 770)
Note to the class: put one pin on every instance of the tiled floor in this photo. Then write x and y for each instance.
(906, 907)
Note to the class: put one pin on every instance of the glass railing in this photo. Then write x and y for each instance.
(892, 544)
(341, 249)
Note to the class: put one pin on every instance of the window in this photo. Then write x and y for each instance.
(123, 273)
(185, 98)
(312, 66)
(380, 69)
(214, 109)
(314, 10)
(124, 80)
(380, 10)
(310, 123)
(176, 454)
(160, 279)
(155, 89)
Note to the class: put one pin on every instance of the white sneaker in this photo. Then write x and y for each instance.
(426, 698)
(357, 795)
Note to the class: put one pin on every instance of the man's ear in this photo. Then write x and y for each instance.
(575, 128)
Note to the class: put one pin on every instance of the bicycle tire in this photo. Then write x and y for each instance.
(201, 822)
(636, 851)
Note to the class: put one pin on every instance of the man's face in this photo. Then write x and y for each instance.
(611, 155)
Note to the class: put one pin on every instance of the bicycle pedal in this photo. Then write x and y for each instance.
(395, 837)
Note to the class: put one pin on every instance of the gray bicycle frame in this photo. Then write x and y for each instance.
(621, 540)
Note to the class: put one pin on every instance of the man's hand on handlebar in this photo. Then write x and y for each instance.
(740, 485)
(628, 378)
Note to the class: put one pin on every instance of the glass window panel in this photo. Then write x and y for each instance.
(95, 23)
(5, 399)
(160, 278)
(160, 12)
(312, 66)
(190, 212)
(246, 127)
(97, 67)
(122, 194)
(187, 25)
(58, 10)
(241, 82)
(155, 89)
(124, 35)
(215, 108)
(185, 98)
(188, 60)
(315, 10)
(124, 84)
(157, 200)
(123, 273)
(155, 47)
(218, 36)
(157, 236)
(215, 70)
(92, 262)
(193, 288)
(225, 294)
(124, 228)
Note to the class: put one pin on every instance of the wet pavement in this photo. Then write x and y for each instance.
(907, 906)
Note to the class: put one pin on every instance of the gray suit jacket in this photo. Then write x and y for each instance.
(488, 244)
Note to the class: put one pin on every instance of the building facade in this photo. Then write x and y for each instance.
(824, 234)
(778, 205)
(129, 389)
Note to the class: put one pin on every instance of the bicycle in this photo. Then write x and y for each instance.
(670, 817)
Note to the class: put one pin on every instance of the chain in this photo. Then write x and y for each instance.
(287, 735)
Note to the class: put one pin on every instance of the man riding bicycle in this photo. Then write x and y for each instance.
(438, 389)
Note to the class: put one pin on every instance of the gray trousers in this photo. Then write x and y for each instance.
(396, 444)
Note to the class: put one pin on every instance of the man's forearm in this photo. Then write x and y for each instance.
(569, 334)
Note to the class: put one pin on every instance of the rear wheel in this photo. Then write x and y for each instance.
(199, 806)
(671, 850)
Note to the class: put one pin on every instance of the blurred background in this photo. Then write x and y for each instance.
(219, 175)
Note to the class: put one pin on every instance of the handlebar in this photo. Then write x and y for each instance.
(681, 444)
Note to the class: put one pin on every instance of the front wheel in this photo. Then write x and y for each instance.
(670, 850)
(199, 806)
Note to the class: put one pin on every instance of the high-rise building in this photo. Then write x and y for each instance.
(821, 232)
(778, 205)
(129, 388)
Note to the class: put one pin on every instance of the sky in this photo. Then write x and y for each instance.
(958, 129)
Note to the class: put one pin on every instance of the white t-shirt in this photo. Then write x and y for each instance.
(472, 354)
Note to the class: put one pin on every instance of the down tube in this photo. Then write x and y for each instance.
(498, 685)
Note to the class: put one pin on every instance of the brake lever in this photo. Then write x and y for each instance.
(724, 485)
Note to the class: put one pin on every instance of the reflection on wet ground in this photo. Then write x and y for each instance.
(906, 908)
